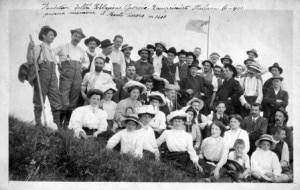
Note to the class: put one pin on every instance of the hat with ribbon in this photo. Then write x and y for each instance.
(91, 39)
(78, 30)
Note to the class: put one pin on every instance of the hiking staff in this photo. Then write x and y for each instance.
(39, 82)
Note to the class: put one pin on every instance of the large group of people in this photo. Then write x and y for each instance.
(210, 120)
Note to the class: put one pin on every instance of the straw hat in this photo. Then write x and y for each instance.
(132, 117)
(157, 96)
(196, 100)
(78, 30)
(266, 137)
(110, 86)
(134, 84)
(176, 114)
(146, 109)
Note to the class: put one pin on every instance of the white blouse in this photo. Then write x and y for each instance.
(265, 161)
(158, 123)
(231, 136)
(110, 108)
(90, 117)
(148, 137)
(131, 142)
(178, 140)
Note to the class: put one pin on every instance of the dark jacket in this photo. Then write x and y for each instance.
(269, 101)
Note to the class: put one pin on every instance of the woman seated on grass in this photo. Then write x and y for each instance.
(236, 132)
(214, 152)
(192, 128)
(265, 164)
(179, 144)
(89, 120)
(131, 141)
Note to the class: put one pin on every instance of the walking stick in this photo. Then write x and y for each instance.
(39, 82)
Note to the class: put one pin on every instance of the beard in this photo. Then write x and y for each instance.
(158, 52)
(98, 69)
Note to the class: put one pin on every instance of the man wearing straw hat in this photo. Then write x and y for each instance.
(126, 49)
(252, 89)
(44, 56)
(73, 60)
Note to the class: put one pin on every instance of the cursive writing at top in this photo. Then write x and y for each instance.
(47, 6)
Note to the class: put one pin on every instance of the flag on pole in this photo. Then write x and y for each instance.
(196, 25)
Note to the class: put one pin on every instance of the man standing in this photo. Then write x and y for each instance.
(276, 71)
(218, 70)
(252, 89)
(158, 59)
(274, 99)
(214, 57)
(117, 57)
(44, 56)
(195, 86)
(226, 60)
(151, 48)
(73, 60)
(182, 65)
(91, 43)
(95, 79)
(144, 69)
(230, 91)
(255, 125)
(126, 49)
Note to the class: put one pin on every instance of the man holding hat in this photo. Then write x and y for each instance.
(274, 99)
(230, 91)
(106, 47)
(195, 86)
(117, 57)
(73, 60)
(276, 71)
(144, 69)
(44, 56)
(252, 89)
(126, 49)
(182, 65)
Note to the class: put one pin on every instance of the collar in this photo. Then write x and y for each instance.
(91, 53)
(218, 115)
(94, 109)
(46, 45)
(255, 118)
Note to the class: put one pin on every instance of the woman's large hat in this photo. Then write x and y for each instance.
(46, 28)
(92, 38)
(176, 114)
(78, 30)
(132, 117)
(109, 86)
(146, 109)
(277, 66)
(196, 100)
(266, 137)
(157, 96)
(135, 84)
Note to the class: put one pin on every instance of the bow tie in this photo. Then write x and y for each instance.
(107, 60)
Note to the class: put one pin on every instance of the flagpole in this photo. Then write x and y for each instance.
(208, 37)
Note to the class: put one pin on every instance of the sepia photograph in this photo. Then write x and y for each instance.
(148, 94)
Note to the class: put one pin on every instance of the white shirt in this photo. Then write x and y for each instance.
(252, 87)
(231, 136)
(75, 53)
(158, 123)
(265, 161)
(245, 161)
(148, 137)
(117, 56)
(108, 66)
(95, 80)
(178, 140)
(131, 142)
(110, 108)
(157, 64)
(88, 116)
(214, 82)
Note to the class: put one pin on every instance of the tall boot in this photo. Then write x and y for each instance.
(62, 118)
(67, 119)
(56, 118)
(38, 118)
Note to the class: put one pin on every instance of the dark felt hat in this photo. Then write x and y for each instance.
(195, 64)
(78, 30)
(144, 49)
(191, 54)
(172, 50)
(277, 66)
(92, 38)
(23, 72)
(161, 43)
(280, 78)
(248, 60)
(181, 52)
(150, 46)
(226, 57)
(43, 30)
(93, 92)
(105, 43)
(125, 46)
(232, 68)
(253, 51)
(208, 61)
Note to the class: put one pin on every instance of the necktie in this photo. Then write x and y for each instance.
(107, 60)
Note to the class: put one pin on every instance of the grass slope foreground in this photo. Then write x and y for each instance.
(38, 154)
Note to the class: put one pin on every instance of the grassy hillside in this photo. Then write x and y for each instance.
(38, 154)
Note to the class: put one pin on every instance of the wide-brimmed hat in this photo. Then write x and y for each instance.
(190, 108)
(208, 61)
(109, 86)
(196, 100)
(253, 51)
(254, 65)
(161, 43)
(278, 77)
(195, 64)
(134, 84)
(248, 60)
(266, 137)
(125, 46)
(78, 30)
(146, 109)
(172, 50)
(226, 57)
(105, 43)
(285, 113)
(150, 46)
(92, 38)
(144, 49)
(277, 66)
(191, 54)
(181, 52)
(157, 96)
(176, 114)
(232, 68)
(93, 92)
(171, 87)
(214, 53)
(218, 66)
(23, 72)
(46, 28)
(132, 117)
